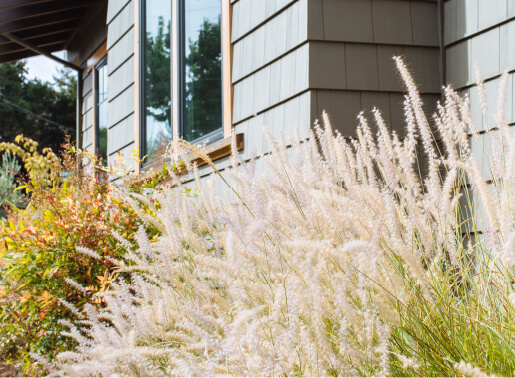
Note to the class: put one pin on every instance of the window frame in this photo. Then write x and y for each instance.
(102, 62)
(214, 135)
(177, 79)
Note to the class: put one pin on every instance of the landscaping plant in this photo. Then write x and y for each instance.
(42, 276)
(366, 256)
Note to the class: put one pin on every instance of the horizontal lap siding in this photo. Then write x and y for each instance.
(248, 14)
(481, 32)
(478, 31)
(270, 71)
(87, 111)
(280, 122)
(351, 45)
(114, 8)
(121, 98)
(271, 85)
(293, 59)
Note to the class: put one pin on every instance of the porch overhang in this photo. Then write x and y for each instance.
(41, 27)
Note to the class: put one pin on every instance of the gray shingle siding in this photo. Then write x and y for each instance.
(351, 45)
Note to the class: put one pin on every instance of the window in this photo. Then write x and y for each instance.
(101, 125)
(194, 32)
(201, 69)
(157, 88)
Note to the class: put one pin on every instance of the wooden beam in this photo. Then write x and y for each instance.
(39, 33)
(7, 4)
(39, 51)
(25, 53)
(40, 9)
(39, 41)
(17, 56)
(50, 46)
(41, 21)
(89, 17)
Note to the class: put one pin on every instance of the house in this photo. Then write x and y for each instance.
(151, 69)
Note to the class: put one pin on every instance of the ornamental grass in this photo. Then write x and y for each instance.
(366, 256)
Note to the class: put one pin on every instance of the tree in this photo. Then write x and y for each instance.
(158, 97)
(36, 109)
(204, 86)
(157, 78)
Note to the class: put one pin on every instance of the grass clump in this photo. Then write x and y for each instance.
(339, 258)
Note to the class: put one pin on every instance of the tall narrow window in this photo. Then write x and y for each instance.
(101, 109)
(196, 35)
(157, 96)
(201, 69)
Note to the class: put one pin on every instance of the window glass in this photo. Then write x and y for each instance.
(157, 89)
(201, 47)
(102, 110)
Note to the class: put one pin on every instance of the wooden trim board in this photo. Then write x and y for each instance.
(97, 56)
(215, 151)
(175, 70)
(94, 125)
(227, 51)
(137, 84)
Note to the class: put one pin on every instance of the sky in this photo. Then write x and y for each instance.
(43, 68)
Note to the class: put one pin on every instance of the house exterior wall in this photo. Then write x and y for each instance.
(481, 32)
(121, 57)
(112, 25)
(270, 77)
(351, 45)
(270, 71)
(292, 59)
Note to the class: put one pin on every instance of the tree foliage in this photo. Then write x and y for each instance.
(157, 78)
(204, 86)
(35, 109)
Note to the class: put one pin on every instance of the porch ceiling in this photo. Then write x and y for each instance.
(34, 27)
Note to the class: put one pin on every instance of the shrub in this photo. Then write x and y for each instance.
(43, 168)
(43, 277)
(340, 260)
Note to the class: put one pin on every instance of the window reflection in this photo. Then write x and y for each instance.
(199, 71)
(157, 91)
(102, 110)
(202, 68)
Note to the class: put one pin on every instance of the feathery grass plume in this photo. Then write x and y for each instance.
(339, 260)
